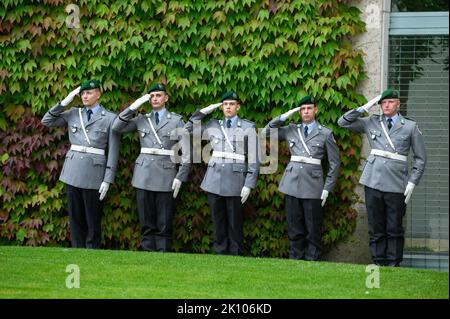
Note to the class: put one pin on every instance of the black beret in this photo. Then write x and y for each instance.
(230, 96)
(157, 87)
(89, 85)
(389, 94)
(307, 100)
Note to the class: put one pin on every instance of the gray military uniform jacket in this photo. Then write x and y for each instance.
(385, 174)
(155, 172)
(305, 180)
(226, 177)
(86, 170)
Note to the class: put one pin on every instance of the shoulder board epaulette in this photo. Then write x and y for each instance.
(408, 118)
(247, 121)
(175, 114)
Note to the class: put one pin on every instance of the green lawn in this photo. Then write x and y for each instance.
(27, 272)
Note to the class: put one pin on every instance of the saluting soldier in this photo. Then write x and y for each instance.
(91, 162)
(388, 188)
(303, 183)
(156, 177)
(232, 171)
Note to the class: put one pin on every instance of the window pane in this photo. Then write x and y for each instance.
(419, 6)
(418, 67)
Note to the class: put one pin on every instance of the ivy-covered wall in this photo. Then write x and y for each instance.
(271, 52)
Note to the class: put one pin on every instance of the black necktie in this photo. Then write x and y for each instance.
(89, 114)
(389, 123)
(228, 123)
(306, 131)
(157, 118)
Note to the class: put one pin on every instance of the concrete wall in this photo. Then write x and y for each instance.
(373, 43)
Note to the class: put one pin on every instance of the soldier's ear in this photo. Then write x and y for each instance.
(166, 98)
(238, 106)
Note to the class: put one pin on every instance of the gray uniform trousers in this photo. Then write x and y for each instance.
(385, 180)
(303, 183)
(82, 172)
(225, 178)
(154, 174)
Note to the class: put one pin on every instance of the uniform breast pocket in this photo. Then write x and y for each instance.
(142, 133)
(292, 143)
(74, 129)
(403, 141)
(317, 148)
(211, 164)
(374, 134)
(101, 132)
(214, 139)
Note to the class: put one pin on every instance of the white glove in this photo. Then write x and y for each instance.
(210, 108)
(244, 193)
(408, 191)
(324, 197)
(366, 107)
(70, 97)
(176, 187)
(136, 104)
(103, 190)
(289, 113)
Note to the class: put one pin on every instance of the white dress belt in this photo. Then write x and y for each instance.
(156, 151)
(389, 155)
(87, 149)
(303, 159)
(228, 155)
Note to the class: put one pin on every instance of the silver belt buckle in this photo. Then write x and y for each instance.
(83, 149)
(302, 160)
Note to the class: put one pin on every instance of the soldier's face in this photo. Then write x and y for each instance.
(390, 107)
(158, 99)
(230, 108)
(308, 112)
(90, 97)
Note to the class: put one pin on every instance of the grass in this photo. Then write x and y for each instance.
(27, 272)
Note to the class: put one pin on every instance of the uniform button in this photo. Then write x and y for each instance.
(301, 166)
(81, 157)
(223, 165)
(153, 159)
(384, 162)
(87, 131)
(386, 146)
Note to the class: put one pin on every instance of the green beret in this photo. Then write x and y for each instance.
(307, 100)
(157, 87)
(89, 85)
(230, 96)
(389, 94)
